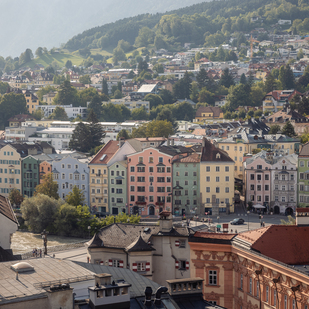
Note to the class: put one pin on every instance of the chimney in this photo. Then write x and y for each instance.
(166, 222)
(121, 141)
(172, 142)
(302, 216)
(160, 290)
(148, 294)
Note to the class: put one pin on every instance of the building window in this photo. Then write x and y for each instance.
(266, 177)
(275, 298)
(257, 289)
(266, 187)
(207, 168)
(241, 281)
(250, 285)
(182, 265)
(267, 294)
(141, 266)
(207, 189)
(285, 302)
(217, 179)
(259, 177)
(212, 276)
(227, 178)
(227, 189)
(251, 176)
(182, 243)
(227, 168)
(217, 168)
(208, 179)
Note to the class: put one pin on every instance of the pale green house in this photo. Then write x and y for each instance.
(186, 188)
(117, 180)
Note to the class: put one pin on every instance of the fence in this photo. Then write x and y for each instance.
(58, 248)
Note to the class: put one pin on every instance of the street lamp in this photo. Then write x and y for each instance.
(44, 237)
(248, 212)
(89, 228)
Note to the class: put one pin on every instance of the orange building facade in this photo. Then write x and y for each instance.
(238, 275)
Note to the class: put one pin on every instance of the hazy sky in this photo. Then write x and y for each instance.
(34, 23)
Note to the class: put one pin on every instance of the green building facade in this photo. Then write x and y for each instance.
(303, 177)
(117, 179)
(30, 175)
(186, 186)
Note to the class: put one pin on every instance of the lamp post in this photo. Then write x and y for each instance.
(89, 228)
(248, 212)
(44, 237)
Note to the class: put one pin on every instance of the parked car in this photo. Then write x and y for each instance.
(237, 221)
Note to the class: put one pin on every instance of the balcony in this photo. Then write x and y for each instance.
(140, 203)
(159, 203)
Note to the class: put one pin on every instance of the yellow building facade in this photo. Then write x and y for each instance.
(216, 179)
(10, 170)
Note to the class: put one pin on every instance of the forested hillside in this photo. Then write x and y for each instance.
(209, 22)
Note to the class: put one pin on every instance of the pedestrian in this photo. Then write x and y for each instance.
(36, 252)
(87, 259)
(263, 224)
(40, 253)
(33, 252)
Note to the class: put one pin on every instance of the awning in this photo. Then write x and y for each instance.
(258, 206)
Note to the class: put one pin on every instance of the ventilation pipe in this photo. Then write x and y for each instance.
(148, 294)
(160, 290)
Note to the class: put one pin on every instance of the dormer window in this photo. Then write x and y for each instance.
(218, 156)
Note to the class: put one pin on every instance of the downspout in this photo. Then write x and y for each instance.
(275, 281)
(258, 273)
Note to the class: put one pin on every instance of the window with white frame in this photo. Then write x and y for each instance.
(212, 277)
(250, 285)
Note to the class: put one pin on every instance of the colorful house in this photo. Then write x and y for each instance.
(216, 179)
(30, 175)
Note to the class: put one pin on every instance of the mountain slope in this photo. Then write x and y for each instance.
(34, 23)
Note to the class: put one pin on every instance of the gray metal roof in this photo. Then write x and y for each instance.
(138, 282)
(45, 270)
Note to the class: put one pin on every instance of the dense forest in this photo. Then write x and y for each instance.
(209, 23)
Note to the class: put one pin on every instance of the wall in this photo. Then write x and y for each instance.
(7, 228)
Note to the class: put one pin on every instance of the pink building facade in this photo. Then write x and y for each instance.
(149, 182)
(258, 182)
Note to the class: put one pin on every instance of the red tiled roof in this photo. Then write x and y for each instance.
(285, 243)
(108, 150)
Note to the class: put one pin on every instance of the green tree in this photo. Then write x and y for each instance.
(139, 113)
(39, 212)
(166, 96)
(154, 100)
(95, 128)
(159, 128)
(48, 186)
(66, 219)
(4, 87)
(269, 83)
(11, 104)
(123, 134)
(69, 64)
(85, 79)
(227, 79)
(202, 78)
(117, 94)
(142, 66)
(118, 55)
(39, 52)
(183, 111)
(206, 96)
(44, 90)
(144, 38)
(59, 114)
(104, 87)
(288, 130)
(96, 105)
(81, 138)
(26, 56)
(286, 77)
(75, 197)
(243, 79)
(66, 95)
(238, 96)
(15, 197)
(158, 68)
(86, 95)
(274, 129)
(290, 221)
